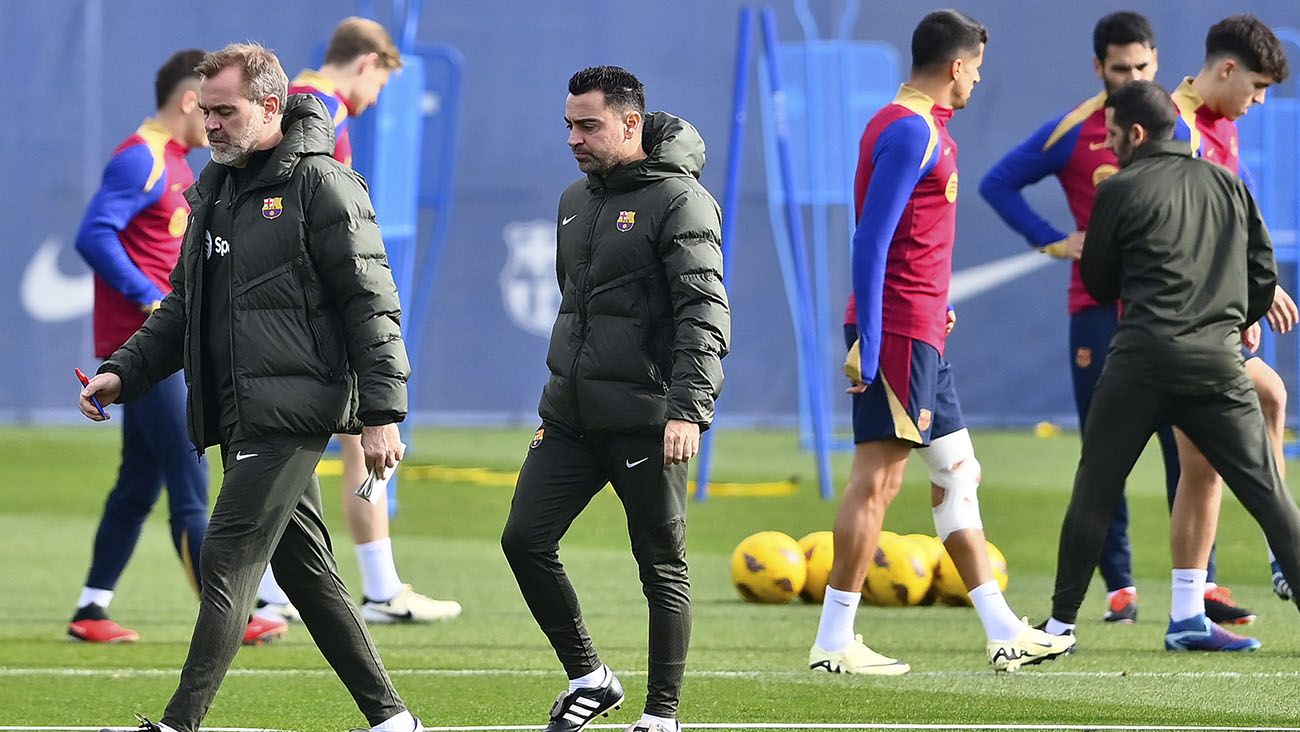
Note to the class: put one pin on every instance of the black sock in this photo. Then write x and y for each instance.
(90, 612)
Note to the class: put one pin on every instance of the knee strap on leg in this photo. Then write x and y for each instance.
(953, 467)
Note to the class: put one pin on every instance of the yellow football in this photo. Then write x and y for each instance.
(899, 573)
(818, 552)
(768, 567)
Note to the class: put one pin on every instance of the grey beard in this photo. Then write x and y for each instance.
(232, 158)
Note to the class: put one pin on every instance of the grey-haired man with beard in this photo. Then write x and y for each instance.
(635, 362)
(285, 318)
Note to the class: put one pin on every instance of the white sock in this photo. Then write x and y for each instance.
(591, 680)
(1056, 627)
(1189, 594)
(1271, 557)
(400, 722)
(269, 590)
(379, 580)
(999, 622)
(839, 609)
(95, 596)
(668, 724)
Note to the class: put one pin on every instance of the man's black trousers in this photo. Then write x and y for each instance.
(1228, 428)
(563, 471)
(269, 508)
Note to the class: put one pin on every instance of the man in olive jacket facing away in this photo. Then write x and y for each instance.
(285, 318)
(635, 362)
(1181, 244)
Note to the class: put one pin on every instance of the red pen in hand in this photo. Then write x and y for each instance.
(86, 382)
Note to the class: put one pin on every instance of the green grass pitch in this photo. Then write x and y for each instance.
(747, 664)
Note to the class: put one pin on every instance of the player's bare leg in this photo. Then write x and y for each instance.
(1194, 517)
(386, 599)
(366, 521)
(954, 485)
(875, 478)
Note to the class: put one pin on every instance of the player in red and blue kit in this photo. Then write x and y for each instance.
(903, 393)
(1242, 59)
(131, 237)
(359, 60)
(1072, 147)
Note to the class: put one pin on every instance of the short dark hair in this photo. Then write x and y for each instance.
(1247, 39)
(1121, 29)
(1144, 103)
(175, 70)
(622, 90)
(944, 35)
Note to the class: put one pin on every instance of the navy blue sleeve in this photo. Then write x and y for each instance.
(898, 162)
(1243, 172)
(120, 197)
(1028, 163)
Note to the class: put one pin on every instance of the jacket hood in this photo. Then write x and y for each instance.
(308, 130)
(673, 149)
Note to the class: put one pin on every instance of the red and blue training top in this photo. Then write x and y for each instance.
(131, 233)
(1212, 136)
(321, 87)
(905, 193)
(1071, 147)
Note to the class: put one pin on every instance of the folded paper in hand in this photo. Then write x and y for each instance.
(375, 487)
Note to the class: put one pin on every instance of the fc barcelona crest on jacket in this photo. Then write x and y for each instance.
(626, 220)
(272, 207)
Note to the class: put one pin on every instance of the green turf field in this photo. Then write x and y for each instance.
(493, 667)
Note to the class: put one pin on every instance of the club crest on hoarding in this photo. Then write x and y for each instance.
(528, 289)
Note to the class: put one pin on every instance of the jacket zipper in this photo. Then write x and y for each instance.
(650, 340)
(311, 325)
(193, 328)
(582, 304)
(230, 319)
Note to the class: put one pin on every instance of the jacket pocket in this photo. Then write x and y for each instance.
(274, 272)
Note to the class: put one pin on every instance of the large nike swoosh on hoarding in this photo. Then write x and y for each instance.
(49, 295)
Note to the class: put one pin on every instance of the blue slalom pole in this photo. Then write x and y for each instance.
(805, 326)
(730, 204)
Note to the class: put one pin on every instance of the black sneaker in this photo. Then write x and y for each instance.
(1220, 608)
(574, 710)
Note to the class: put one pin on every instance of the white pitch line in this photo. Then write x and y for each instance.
(708, 674)
(818, 726)
(127, 729)
(758, 726)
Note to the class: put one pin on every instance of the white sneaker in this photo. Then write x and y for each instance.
(419, 727)
(855, 658)
(276, 611)
(409, 607)
(642, 725)
(1030, 647)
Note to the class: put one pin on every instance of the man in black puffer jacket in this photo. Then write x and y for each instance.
(635, 362)
(285, 318)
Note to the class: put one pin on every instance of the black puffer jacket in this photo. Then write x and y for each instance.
(315, 321)
(643, 322)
